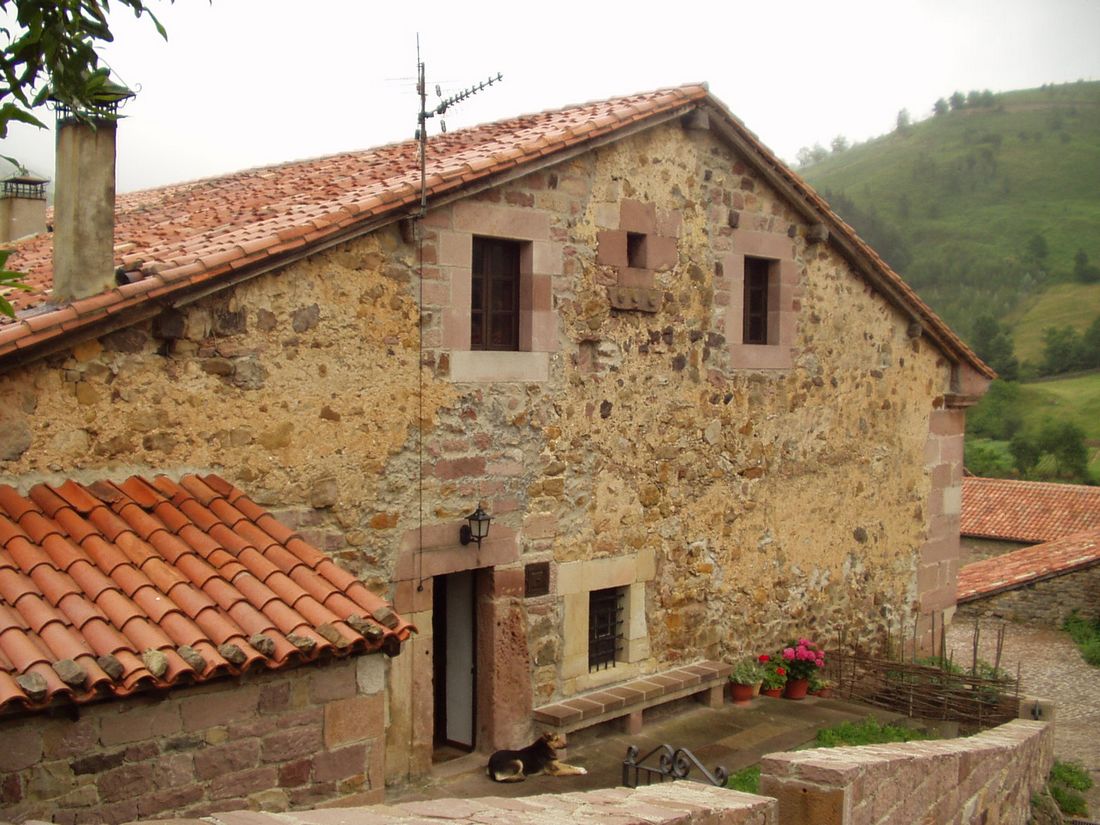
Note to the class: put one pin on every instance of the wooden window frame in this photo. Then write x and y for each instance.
(495, 294)
(758, 281)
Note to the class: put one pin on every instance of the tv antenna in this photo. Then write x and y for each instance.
(440, 109)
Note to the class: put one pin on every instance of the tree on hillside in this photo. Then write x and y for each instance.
(904, 122)
(1061, 350)
(1064, 441)
(1037, 248)
(1082, 270)
(1090, 346)
(50, 51)
(940, 107)
(994, 346)
(958, 101)
(998, 416)
(839, 144)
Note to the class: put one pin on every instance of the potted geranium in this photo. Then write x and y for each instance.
(775, 677)
(802, 659)
(745, 677)
(820, 686)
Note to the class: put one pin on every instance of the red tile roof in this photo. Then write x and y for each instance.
(179, 238)
(1043, 561)
(1031, 511)
(111, 589)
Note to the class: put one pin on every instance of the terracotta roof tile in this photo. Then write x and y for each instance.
(1020, 567)
(78, 580)
(203, 230)
(1027, 511)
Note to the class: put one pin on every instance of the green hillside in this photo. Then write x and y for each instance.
(982, 209)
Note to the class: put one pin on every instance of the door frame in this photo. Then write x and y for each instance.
(440, 588)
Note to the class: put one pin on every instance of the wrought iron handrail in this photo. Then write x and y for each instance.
(671, 764)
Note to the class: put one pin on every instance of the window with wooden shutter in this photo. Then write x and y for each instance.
(494, 303)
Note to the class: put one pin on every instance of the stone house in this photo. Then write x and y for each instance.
(1030, 550)
(701, 412)
(1000, 515)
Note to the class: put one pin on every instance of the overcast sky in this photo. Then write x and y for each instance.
(244, 83)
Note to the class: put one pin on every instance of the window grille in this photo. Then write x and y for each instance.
(756, 301)
(605, 627)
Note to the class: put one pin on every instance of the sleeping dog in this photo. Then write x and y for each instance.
(539, 757)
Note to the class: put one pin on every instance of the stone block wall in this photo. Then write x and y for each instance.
(989, 777)
(270, 741)
(678, 803)
(1048, 602)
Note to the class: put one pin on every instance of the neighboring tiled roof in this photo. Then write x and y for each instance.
(180, 238)
(1043, 561)
(1031, 511)
(110, 589)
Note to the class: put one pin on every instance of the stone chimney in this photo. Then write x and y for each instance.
(84, 201)
(22, 206)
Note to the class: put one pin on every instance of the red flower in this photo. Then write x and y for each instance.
(781, 671)
(764, 657)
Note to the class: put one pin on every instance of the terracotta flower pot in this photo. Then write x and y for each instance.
(773, 692)
(796, 688)
(741, 693)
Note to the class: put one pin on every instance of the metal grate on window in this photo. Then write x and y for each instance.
(605, 627)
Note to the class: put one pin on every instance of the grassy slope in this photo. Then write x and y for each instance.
(974, 200)
(1076, 398)
(1059, 305)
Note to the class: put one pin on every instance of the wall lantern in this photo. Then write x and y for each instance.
(477, 528)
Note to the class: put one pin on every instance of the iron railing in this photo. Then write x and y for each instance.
(671, 764)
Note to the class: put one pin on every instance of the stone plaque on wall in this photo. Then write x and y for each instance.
(536, 579)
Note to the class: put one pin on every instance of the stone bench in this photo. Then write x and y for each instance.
(628, 700)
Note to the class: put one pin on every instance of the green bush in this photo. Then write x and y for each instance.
(1086, 634)
(746, 780)
(1071, 774)
(1069, 802)
(868, 732)
(1066, 780)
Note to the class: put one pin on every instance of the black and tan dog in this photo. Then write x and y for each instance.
(538, 757)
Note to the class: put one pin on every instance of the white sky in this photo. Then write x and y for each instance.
(243, 83)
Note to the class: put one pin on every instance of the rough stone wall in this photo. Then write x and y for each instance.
(1048, 602)
(975, 549)
(989, 777)
(275, 741)
(772, 501)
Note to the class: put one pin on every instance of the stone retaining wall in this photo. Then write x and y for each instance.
(1047, 602)
(293, 739)
(989, 777)
(679, 803)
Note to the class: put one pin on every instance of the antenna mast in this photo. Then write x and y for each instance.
(440, 109)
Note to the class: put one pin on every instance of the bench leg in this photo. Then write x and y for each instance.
(632, 723)
(713, 697)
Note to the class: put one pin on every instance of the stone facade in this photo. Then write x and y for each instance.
(274, 740)
(976, 549)
(1046, 602)
(989, 777)
(756, 492)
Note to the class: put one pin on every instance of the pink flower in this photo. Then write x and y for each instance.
(820, 663)
(788, 653)
(804, 642)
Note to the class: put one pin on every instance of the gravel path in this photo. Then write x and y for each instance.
(1052, 668)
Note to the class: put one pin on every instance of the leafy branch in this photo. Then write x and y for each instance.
(50, 54)
(9, 280)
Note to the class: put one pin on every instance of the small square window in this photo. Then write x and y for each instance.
(605, 627)
(635, 250)
(757, 284)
